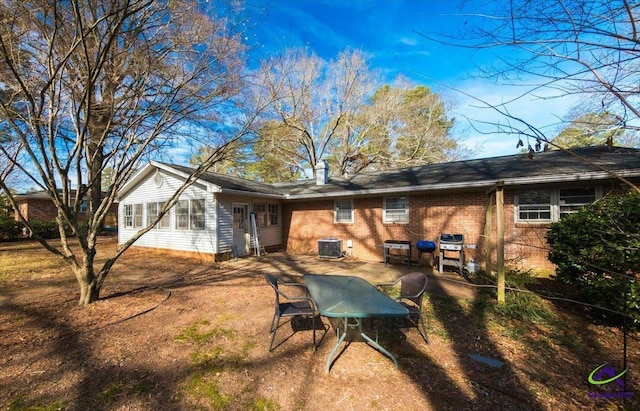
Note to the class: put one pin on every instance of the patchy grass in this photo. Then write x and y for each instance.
(205, 347)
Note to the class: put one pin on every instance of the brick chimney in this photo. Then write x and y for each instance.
(322, 172)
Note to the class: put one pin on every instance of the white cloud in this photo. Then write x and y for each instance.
(408, 41)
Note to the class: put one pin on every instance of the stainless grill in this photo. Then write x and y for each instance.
(451, 247)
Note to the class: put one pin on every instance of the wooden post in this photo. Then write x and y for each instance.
(488, 267)
(500, 240)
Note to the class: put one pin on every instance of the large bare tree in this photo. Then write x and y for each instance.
(330, 110)
(95, 85)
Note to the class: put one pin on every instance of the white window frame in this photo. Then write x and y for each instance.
(273, 211)
(261, 214)
(535, 208)
(181, 211)
(164, 222)
(398, 215)
(128, 215)
(197, 213)
(138, 215)
(556, 207)
(190, 216)
(338, 207)
(565, 208)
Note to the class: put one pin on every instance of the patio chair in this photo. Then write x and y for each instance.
(295, 305)
(412, 287)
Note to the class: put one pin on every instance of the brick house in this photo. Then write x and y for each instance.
(37, 206)
(410, 204)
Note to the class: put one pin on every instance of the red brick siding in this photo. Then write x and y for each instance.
(34, 209)
(38, 209)
(429, 216)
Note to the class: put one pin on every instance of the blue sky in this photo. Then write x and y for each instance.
(393, 33)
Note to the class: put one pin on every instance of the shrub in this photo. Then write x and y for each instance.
(597, 251)
(10, 230)
(46, 228)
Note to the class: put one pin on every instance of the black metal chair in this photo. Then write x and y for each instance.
(298, 305)
(412, 288)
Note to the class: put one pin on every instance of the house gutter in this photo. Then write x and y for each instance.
(513, 182)
(249, 193)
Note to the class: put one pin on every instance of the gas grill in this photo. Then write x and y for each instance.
(451, 247)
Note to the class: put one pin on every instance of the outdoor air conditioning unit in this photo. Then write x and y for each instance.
(330, 248)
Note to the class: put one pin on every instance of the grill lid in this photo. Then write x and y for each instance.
(451, 238)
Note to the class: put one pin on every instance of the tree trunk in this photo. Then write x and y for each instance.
(89, 284)
(89, 292)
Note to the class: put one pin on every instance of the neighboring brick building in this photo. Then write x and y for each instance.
(365, 210)
(38, 206)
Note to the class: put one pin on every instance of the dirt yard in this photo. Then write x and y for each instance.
(173, 333)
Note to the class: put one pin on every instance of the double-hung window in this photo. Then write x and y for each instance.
(535, 205)
(128, 215)
(133, 215)
(137, 215)
(273, 214)
(190, 214)
(571, 199)
(343, 211)
(550, 205)
(261, 214)
(395, 210)
(196, 214)
(182, 215)
(153, 209)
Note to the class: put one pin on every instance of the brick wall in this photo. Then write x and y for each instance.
(39, 209)
(429, 216)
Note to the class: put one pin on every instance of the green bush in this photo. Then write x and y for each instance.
(10, 230)
(597, 251)
(46, 228)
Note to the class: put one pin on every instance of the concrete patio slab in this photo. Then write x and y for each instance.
(295, 266)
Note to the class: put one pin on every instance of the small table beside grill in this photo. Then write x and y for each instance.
(397, 245)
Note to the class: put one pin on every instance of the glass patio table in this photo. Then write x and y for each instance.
(352, 299)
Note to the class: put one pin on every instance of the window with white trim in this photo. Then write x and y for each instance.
(137, 215)
(534, 205)
(190, 214)
(343, 211)
(133, 215)
(153, 209)
(128, 216)
(196, 214)
(395, 210)
(182, 215)
(572, 199)
(165, 221)
(261, 214)
(550, 205)
(273, 214)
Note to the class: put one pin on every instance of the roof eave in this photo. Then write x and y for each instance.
(250, 193)
(519, 181)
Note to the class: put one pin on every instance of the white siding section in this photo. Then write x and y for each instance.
(202, 241)
(225, 223)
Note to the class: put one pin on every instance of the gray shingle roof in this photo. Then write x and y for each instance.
(545, 166)
(550, 166)
(227, 182)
